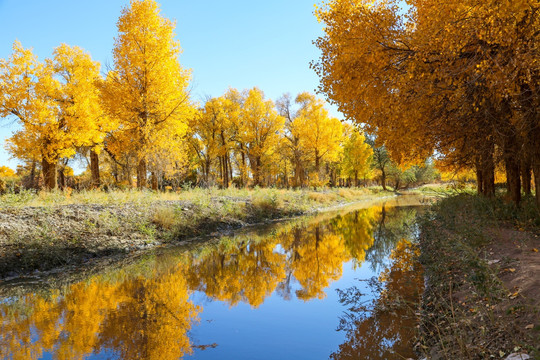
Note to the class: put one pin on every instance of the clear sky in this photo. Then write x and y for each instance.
(237, 43)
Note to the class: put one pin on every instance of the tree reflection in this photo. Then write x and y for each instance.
(238, 270)
(357, 231)
(144, 311)
(391, 225)
(316, 261)
(384, 329)
(140, 317)
(304, 258)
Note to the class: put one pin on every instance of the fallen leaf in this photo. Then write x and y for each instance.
(534, 250)
(529, 327)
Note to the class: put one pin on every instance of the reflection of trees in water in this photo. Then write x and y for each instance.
(239, 270)
(310, 256)
(133, 317)
(144, 311)
(392, 225)
(356, 229)
(318, 260)
(383, 328)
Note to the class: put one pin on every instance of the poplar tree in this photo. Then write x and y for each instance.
(146, 91)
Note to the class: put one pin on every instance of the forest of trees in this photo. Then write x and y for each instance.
(136, 125)
(458, 79)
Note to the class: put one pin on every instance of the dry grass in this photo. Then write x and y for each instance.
(165, 217)
(323, 198)
(196, 195)
(268, 203)
(352, 193)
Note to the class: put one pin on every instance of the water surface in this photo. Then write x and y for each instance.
(295, 290)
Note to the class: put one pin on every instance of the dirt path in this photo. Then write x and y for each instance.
(482, 297)
(514, 256)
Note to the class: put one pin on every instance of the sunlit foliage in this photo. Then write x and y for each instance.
(146, 91)
(56, 103)
(458, 79)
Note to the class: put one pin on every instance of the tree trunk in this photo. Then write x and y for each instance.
(49, 174)
(256, 169)
(298, 175)
(479, 180)
(529, 102)
(513, 179)
(317, 164)
(383, 179)
(356, 178)
(488, 172)
(115, 172)
(511, 162)
(286, 182)
(129, 177)
(94, 169)
(526, 175)
(141, 174)
(61, 179)
(221, 169)
(33, 174)
(154, 181)
(243, 170)
(207, 172)
(225, 172)
(536, 170)
(230, 168)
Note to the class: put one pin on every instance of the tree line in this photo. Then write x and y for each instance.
(458, 79)
(137, 122)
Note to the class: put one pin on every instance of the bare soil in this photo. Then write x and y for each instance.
(482, 297)
(514, 256)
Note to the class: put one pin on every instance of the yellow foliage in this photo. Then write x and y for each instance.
(320, 135)
(55, 101)
(259, 131)
(456, 77)
(146, 92)
(6, 172)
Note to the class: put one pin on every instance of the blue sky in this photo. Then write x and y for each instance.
(236, 43)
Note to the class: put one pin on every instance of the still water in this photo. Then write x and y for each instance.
(295, 290)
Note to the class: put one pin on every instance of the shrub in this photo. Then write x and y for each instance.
(165, 217)
(266, 202)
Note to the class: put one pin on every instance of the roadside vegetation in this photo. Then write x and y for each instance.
(482, 292)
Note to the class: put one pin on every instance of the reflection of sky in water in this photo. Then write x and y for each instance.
(278, 329)
(137, 309)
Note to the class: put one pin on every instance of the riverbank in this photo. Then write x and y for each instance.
(40, 232)
(482, 266)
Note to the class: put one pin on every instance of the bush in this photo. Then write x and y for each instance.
(266, 203)
(165, 217)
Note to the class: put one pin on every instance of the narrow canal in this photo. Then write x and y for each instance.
(340, 285)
